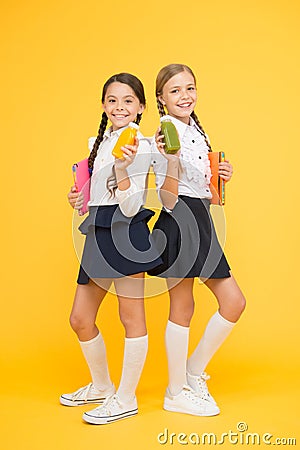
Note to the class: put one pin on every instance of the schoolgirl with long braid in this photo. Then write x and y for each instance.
(191, 248)
(117, 249)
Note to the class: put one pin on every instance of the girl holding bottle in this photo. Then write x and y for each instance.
(117, 249)
(185, 232)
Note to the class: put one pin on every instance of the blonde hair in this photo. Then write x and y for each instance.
(164, 75)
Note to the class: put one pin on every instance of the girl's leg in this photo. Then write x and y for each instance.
(130, 292)
(177, 331)
(179, 396)
(231, 305)
(88, 299)
(229, 296)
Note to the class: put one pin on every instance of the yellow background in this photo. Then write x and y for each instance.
(55, 57)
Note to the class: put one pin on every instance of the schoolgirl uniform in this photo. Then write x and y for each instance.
(188, 242)
(117, 236)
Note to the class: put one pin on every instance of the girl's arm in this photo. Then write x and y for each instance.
(121, 164)
(169, 190)
(132, 178)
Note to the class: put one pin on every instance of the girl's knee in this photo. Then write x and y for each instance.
(234, 308)
(242, 303)
(182, 316)
(134, 326)
(80, 324)
(232, 305)
(239, 303)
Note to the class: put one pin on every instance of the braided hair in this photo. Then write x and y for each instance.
(194, 116)
(164, 75)
(161, 108)
(99, 138)
(136, 85)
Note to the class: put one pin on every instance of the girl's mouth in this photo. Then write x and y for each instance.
(120, 116)
(185, 105)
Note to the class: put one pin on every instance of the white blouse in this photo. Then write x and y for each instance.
(194, 173)
(130, 200)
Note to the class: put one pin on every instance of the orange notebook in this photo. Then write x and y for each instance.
(217, 184)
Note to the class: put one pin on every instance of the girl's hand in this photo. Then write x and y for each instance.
(75, 198)
(160, 146)
(129, 152)
(225, 170)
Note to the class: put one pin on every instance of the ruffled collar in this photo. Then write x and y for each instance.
(181, 126)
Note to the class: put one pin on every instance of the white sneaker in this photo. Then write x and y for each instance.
(189, 402)
(198, 384)
(113, 409)
(85, 395)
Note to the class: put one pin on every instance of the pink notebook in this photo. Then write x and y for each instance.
(82, 181)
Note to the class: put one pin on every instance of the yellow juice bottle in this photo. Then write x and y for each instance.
(126, 138)
(171, 139)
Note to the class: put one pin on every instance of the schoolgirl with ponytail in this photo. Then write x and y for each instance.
(192, 248)
(117, 250)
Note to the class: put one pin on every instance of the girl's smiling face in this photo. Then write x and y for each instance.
(179, 96)
(121, 105)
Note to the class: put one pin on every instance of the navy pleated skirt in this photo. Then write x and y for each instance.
(188, 243)
(116, 245)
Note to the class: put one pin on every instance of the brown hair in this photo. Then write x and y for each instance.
(138, 89)
(164, 75)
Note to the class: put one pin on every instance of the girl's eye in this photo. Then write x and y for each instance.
(128, 101)
(174, 91)
(191, 88)
(111, 100)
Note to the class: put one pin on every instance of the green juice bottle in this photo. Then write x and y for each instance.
(171, 139)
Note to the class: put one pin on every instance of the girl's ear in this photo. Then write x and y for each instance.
(160, 98)
(141, 109)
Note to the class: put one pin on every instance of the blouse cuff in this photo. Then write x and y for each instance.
(130, 201)
(169, 210)
(123, 195)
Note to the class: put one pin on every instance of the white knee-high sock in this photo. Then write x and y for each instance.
(214, 335)
(95, 355)
(135, 352)
(177, 342)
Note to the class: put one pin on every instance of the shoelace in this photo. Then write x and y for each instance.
(191, 395)
(82, 393)
(108, 406)
(201, 381)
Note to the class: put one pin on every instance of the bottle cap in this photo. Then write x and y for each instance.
(133, 125)
(165, 119)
